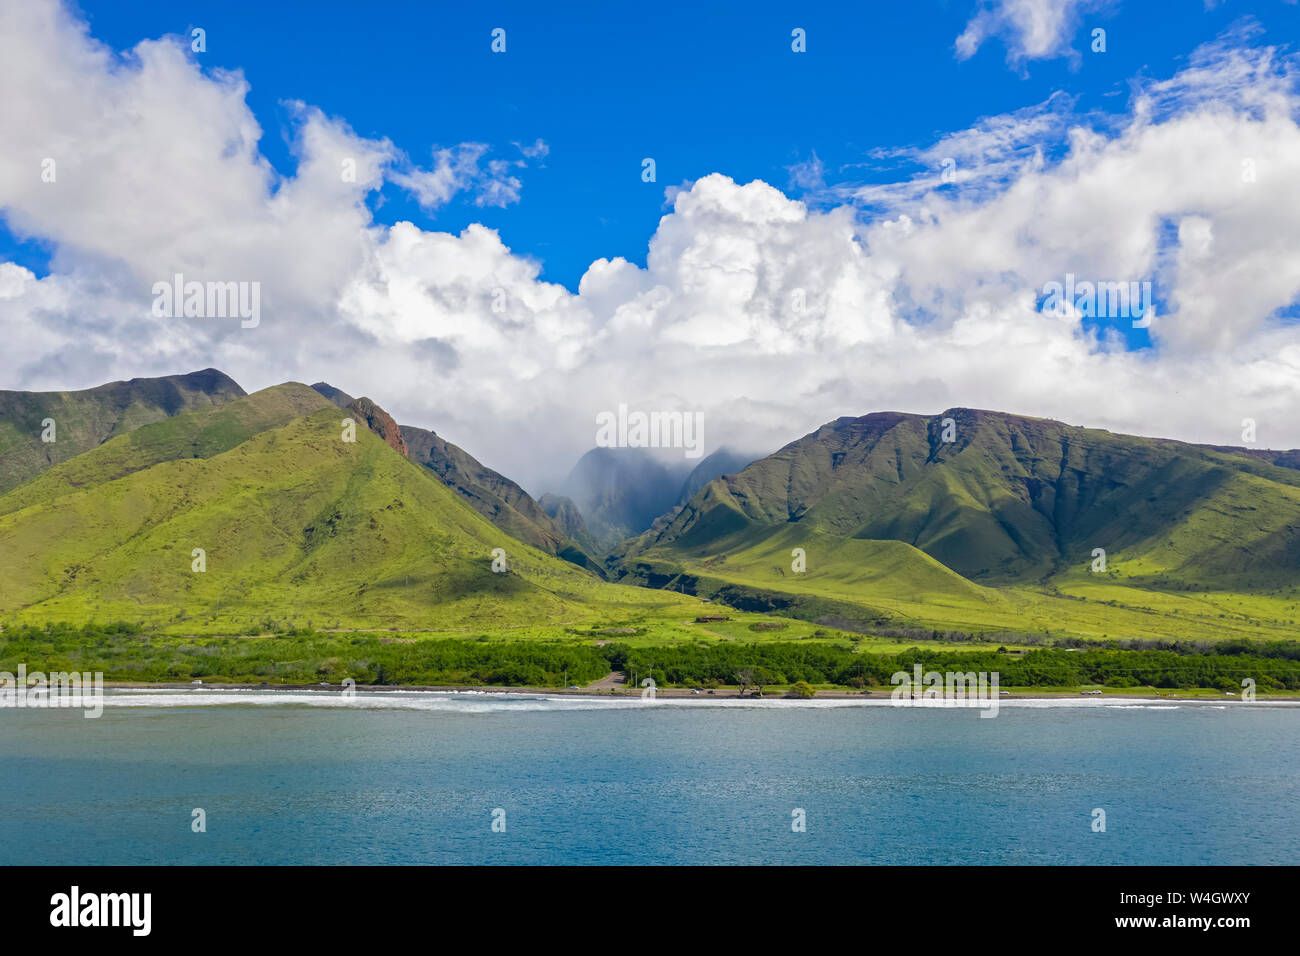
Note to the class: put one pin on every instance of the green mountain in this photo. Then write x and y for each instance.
(491, 494)
(724, 461)
(84, 419)
(203, 433)
(336, 395)
(294, 523)
(1012, 506)
(969, 521)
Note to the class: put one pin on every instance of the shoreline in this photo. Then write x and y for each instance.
(727, 693)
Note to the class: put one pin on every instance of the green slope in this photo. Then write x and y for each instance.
(1011, 500)
(297, 525)
(84, 419)
(865, 584)
(1198, 540)
(994, 531)
(198, 434)
(490, 493)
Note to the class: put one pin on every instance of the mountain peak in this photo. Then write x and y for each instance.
(336, 395)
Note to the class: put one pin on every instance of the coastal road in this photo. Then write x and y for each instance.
(614, 680)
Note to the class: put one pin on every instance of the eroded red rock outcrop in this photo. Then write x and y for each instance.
(379, 422)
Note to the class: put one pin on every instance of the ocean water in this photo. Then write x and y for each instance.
(414, 778)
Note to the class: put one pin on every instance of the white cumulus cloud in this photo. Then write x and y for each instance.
(1031, 29)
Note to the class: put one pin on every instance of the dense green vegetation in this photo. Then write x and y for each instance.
(1274, 667)
(304, 656)
(299, 657)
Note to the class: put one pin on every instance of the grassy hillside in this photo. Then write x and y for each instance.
(1011, 499)
(199, 434)
(87, 418)
(491, 494)
(297, 525)
(872, 585)
(899, 532)
(996, 530)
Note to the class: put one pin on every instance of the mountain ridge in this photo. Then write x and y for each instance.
(496, 497)
(88, 417)
(969, 518)
(291, 520)
(1024, 488)
(1046, 514)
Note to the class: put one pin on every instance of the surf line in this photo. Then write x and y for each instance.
(58, 689)
(948, 689)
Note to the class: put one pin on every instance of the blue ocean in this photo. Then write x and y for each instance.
(473, 778)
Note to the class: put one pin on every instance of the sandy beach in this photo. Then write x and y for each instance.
(601, 689)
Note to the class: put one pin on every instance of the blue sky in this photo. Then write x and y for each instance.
(700, 87)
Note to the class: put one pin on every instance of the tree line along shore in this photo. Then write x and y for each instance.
(388, 659)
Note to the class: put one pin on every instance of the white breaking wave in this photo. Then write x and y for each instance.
(479, 701)
(457, 701)
(1155, 706)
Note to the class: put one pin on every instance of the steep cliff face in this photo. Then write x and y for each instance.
(379, 422)
(621, 491)
(564, 513)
